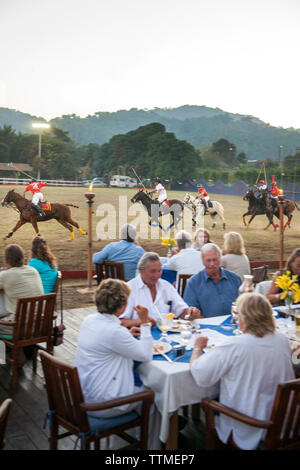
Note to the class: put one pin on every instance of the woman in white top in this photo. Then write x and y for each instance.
(106, 351)
(249, 367)
(235, 258)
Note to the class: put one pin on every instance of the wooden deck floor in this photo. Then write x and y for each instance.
(25, 426)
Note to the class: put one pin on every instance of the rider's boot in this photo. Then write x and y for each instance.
(38, 209)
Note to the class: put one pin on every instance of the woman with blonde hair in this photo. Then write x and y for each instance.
(234, 255)
(249, 367)
(45, 263)
(201, 237)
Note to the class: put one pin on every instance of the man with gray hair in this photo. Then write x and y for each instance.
(158, 295)
(187, 260)
(125, 251)
(213, 289)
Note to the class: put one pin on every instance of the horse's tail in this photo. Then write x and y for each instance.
(72, 205)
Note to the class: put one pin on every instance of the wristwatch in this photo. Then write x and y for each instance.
(146, 324)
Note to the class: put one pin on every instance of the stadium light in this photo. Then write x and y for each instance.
(40, 126)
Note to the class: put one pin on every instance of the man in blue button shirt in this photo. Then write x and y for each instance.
(125, 251)
(213, 289)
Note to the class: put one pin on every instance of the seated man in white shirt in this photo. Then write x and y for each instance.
(249, 368)
(158, 295)
(187, 260)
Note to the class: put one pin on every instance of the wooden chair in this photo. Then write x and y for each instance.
(58, 281)
(68, 410)
(4, 412)
(260, 274)
(33, 324)
(282, 428)
(181, 283)
(110, 269)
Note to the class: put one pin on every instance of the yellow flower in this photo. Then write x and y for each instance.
(168, 242)
(289, 286)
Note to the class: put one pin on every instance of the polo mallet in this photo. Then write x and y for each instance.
(140, 181)
(21, 171)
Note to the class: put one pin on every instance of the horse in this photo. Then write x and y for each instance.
(195, 204)
(155, 210)
(258, 206)
(60, 212)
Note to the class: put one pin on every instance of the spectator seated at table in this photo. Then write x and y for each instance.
(201, 237)
(234, 255)
(17, 281)
(45, 263)
(292, 265)
(249, 367)
(213, 289)
(187, 260)
(106, 352)
(125, 251)
(158, 295)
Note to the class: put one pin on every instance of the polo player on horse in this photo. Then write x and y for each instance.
(37, 197)
(162, 194)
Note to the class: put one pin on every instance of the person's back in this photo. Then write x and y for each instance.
(125, 251)
(248, 368)
(238, 264)
(18, 282)
(48, 275)
(187, 261)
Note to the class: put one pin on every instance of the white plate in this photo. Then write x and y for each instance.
(178, 325)
(161, 347)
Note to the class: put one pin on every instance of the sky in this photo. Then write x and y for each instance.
(84, 56)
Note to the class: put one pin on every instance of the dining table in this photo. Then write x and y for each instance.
(172, 382)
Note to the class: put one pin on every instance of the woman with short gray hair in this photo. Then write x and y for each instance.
(106, 352)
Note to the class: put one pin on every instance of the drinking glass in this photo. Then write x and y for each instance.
(164, 324)
(297, 318)
(186, 334)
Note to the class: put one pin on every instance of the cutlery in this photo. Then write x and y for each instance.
(165, 356)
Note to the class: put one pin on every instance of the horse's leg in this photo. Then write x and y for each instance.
(250, 220)
(243, 216)
(71, 221)
(68, 226)
(213, 217)
(288, 223)
(16, 227)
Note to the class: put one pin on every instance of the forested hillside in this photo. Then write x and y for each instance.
(198, 125)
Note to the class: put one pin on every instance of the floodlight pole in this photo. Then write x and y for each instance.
(281, 198)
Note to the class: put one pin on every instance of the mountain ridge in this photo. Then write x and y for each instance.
(198, 125)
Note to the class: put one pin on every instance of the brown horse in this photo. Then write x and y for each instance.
(269, 207)
(60, 212)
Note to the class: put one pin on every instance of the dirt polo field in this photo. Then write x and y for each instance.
(112, 208)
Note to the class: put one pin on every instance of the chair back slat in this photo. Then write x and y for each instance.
(64, 392)
(284, 432)
(109, 269)
(34, 317)
(181, 283)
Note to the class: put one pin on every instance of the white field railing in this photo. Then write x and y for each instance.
(26, 181)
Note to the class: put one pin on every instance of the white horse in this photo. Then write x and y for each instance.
(196, 205)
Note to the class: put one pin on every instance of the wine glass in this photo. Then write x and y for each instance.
(164, 324)
(186, 334)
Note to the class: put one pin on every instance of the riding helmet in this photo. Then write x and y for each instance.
(273, 183)
(262, 182)
(33, 180)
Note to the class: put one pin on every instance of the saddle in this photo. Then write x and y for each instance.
(46, 206)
